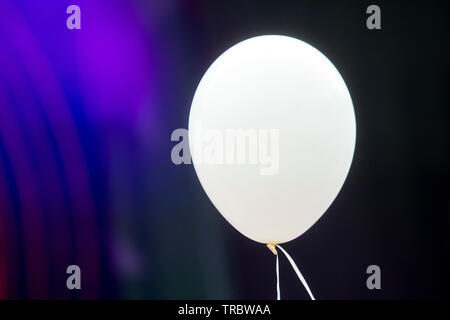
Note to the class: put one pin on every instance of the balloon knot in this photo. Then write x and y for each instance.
(272, 248)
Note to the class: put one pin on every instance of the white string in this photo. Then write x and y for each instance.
(297, 271)
(278, 279)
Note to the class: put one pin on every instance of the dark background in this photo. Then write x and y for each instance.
(155, 234)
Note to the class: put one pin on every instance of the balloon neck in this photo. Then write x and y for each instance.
(272, 248)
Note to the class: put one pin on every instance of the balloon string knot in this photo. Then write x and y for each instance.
(272, 248)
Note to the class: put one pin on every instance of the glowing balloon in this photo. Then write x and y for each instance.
(272, 134)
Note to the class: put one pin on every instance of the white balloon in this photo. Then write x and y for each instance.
(272, 86)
